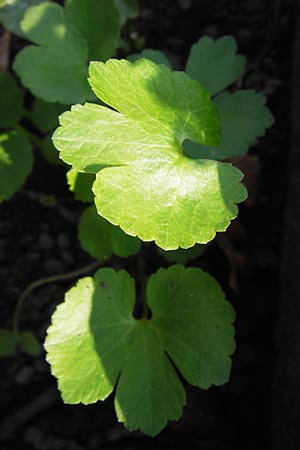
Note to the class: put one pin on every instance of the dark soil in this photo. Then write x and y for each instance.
(38, 238)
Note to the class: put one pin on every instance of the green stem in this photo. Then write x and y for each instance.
(141, 272)
(46, 280)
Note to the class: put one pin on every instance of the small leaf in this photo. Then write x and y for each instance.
(29, 344)
(45, 115)
(12, 12)
(243, 117)
(8, 342)
(55, 69)
(11, 101)
(98, 22)
(215, 63)
(101, 239)
(149, 188)
(15, 163)
(128, 9)
(94, 340)
(49, 151)
(181, 255)
(81, 184)
(154, 55)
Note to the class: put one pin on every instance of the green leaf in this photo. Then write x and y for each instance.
(215, 63)
(11, 101)
(149, 188)
(81, 184)
(101, 239)
(55, 69)
(29, 344)
(45, 115)
(8, 342)
(15, 163)
(128, 9)
(154, 55)
(95, 343)
(181, 255)
(243, 117)
(49, 151)
(12, 12)
(98, 22)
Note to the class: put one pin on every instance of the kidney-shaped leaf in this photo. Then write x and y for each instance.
(94, 339)
(148, 187)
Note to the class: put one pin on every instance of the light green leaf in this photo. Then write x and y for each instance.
(182, 255)
(81, 184)
(45, 115)
(8, 342)
(55, 69)
(11, 101)
(12, 12)
(154, 55)
(150, 189)
(215, 64)
(243, 117)
(15, 163)
(29, 344)
(128, 9)
(101, 239)
(98, 22)
(94, 339)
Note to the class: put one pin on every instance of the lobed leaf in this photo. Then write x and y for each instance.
(94, 343)
(101, 239)
(144, 183)
(15, 163)
(215, 64)
(243, 118)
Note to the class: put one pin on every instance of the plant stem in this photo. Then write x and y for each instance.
(141, 273)
(46, 280)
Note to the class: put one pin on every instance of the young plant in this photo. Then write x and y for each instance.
(146, 184)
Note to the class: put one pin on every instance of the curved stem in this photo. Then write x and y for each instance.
(46, 280)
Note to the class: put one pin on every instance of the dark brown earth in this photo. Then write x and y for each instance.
(38, 239)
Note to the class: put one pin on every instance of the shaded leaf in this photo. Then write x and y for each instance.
(11, 101)
(8, 342)
(81, 184)
(182, 255)
(243, 117)
(12, 12)
(54, 69)
(215, 64)
(154, 55)
(97, 21)
(15, 163)
(101, 239)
